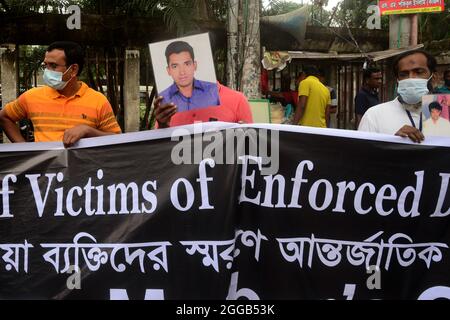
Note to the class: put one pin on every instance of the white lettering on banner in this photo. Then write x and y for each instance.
(94, 255)
(235, 294)
(184, 187)
(210, 249)
(349, 291)
(203, 180)
(328, 195)
(270, 181)
(133, 199)
(364, 195)
(298, 180)
(329, 251)
(442, 196)
(124, 189)
(11, 257)
(416, 192)
(250, 240)
(150, 295)
(41, 202)
(251, 179)
(321, 195)
(435, 293)
(5, 192)
(188, 191)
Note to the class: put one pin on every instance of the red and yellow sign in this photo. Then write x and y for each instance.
(410, 6)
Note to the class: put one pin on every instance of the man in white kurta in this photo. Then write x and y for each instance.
(403, 115)
(388, 117)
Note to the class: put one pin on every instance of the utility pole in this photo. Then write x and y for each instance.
(233, 54)
(403, 31)
(244, 47)
(251, 69)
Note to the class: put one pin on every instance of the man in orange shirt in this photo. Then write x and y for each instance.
(65, 109)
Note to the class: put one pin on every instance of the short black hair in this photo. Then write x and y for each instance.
(73, 51)
(178, 47)
(367, 73)
(435, 105)
(431, 60)
(311, 70)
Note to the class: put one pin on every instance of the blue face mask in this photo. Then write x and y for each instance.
(54, 80)
(413, 89)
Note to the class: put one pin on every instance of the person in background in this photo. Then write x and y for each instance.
(333, 96)
(314, 101)
(403, 116)
(368, 97)
(446, 87)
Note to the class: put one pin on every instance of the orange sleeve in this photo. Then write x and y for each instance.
(17, 109)
(107, 121)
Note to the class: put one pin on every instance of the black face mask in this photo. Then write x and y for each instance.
(447, 82)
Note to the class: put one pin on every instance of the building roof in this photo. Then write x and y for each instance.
(373, 56)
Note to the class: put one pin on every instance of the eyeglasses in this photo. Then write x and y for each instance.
(51, 66)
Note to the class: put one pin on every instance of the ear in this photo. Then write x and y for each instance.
(75, 69)
(195, 65)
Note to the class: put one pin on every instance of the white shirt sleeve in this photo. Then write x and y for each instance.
(367, 123)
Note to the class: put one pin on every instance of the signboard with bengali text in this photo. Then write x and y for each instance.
(388, 7)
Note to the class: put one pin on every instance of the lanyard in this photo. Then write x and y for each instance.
(412, 120)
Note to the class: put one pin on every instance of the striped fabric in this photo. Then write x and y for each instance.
(52, 113)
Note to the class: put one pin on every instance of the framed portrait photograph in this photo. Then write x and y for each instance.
(436, 115)
(184, 72)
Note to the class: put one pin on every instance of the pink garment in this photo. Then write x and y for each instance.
(444, 101)
(234, 107)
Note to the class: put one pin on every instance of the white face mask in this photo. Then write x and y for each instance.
(54, 80)
(413, 89)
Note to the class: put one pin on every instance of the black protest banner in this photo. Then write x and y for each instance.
(226, 212)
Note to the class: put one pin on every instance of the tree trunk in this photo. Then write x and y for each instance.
(233, 56)
(251, 71)
(244, 47)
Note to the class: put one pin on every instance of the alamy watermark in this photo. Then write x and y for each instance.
(74, 281)
(227, 146)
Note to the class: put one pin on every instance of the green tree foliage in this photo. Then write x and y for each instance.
(435, 26)
(277, 7)
(20, 7)
(354, 14)
(30, 59)
(178, 15)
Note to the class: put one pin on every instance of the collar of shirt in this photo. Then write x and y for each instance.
(174, 88)
(54, 94)
(369, 91)
(314, 77)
